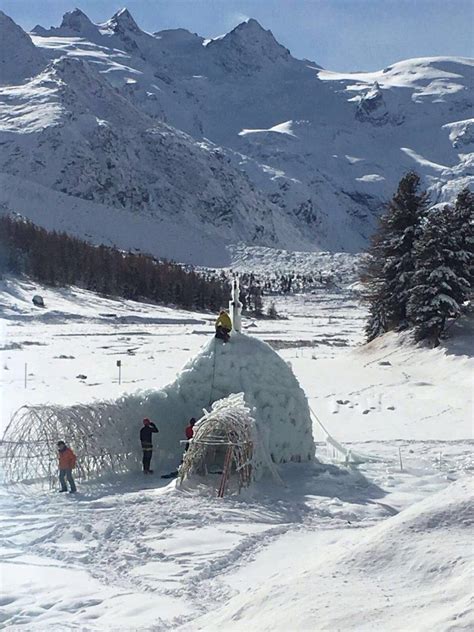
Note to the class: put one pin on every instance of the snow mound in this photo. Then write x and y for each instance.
(19, 57)
(415, 567)
(282, 128)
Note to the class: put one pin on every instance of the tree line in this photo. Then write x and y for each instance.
(58, 259)
(420, 266)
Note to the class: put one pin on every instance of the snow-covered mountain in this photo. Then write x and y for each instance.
(230, 139)
(19, 58)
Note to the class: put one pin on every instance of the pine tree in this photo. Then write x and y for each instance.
(440, 283)
(462, 221)
(375, 288)
(388, 273)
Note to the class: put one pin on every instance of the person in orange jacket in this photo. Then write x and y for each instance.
(67, 461)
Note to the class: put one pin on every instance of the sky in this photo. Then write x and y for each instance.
(345, 35)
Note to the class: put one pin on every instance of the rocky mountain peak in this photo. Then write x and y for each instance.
(122, 22)
(74, 24)
(251, 26)
(248, 47)
(252, 34)
(76, 21)
(19, 57)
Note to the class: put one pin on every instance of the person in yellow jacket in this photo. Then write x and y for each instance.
(223, 326)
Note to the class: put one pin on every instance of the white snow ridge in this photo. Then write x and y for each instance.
(422, 556)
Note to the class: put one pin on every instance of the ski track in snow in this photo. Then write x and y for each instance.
(144, 555)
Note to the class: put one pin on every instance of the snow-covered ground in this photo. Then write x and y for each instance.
(379, 546)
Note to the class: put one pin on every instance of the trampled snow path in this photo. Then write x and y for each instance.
(179, 550)
(138, 554)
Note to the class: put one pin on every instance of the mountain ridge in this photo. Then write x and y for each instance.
(289, 155)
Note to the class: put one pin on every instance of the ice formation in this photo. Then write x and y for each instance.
(228, 433)
(243, 365)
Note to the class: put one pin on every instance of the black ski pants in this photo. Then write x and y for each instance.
(66, 474)
(222, 333)
(147, 454)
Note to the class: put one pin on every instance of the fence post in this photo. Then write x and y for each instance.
(400, 457)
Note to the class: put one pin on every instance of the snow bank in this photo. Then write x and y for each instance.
(411, 572)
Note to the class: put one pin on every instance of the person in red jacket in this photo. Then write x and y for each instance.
(67, 461)
(189, 432)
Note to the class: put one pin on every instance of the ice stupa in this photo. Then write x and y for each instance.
(105, 434)
(243, 365)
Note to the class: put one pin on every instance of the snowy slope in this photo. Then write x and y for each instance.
(412, 572)
(163, 238)
(233, 135)
(72, 132)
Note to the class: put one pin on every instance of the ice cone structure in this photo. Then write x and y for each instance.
(105, 434)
